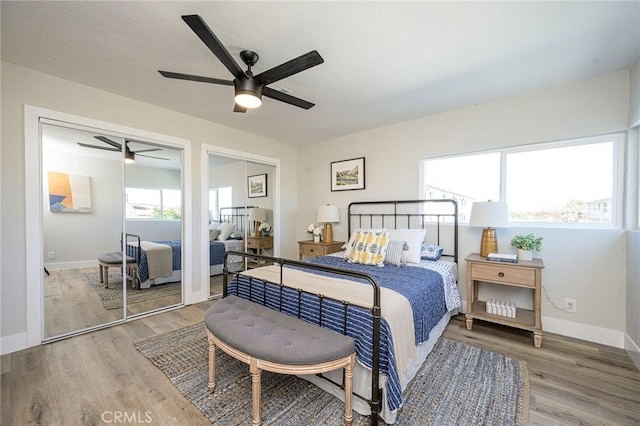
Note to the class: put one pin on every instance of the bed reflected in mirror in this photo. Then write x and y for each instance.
(153, 209)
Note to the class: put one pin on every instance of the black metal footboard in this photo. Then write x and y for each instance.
(374, 402)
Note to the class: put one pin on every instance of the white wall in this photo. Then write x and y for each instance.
(82, 237)
(634, 101)
(22, 86)
(586, 265)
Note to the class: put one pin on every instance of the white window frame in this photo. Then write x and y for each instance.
(160, 190)
(617, 191)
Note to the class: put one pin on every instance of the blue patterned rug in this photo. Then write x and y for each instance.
(458, 384)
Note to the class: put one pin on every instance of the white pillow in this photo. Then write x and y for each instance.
(225, 230)
(213, 234)
(413, 238)
(214, 225)
(349, 246)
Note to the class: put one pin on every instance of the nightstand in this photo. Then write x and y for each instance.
(310, 249)
(257, 244)
(525, 274)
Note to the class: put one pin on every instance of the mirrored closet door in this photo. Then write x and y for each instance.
(106, 198)
(81, 221)
(153, 209)
(240, 193)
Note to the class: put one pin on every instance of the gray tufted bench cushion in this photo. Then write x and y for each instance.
(270, 340)
(114, 260)
(273, 336)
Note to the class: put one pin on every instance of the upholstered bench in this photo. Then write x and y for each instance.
(273, 341)
(114, 260)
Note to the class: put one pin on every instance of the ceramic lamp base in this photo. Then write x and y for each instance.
(489, 242)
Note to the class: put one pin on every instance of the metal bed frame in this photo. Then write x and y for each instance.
(359, 212)
(235, 214)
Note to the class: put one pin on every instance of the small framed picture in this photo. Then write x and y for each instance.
(257, 186)
(347, 174)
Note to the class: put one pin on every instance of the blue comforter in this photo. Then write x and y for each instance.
(423, 289)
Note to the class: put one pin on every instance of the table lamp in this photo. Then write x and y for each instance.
(328, 214)
(490, 215)
(257, 215)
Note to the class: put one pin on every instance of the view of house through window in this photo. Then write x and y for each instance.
(153, 203)
(573, 182)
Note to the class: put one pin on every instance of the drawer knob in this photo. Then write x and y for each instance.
(501, 274)
(311, 250)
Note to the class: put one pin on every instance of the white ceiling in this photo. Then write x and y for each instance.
(385, 62)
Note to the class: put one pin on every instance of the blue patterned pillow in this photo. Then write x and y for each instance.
(430, 252)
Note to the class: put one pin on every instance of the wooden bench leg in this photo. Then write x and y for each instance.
(106, 277)
(255, 391)
(212, 364)
(101, 279)
(348, 391)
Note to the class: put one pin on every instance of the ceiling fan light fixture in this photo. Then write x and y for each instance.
(129, 157)
(248, 93)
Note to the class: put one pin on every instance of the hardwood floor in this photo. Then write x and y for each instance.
(92, 378)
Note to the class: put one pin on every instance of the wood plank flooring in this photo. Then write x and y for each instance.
(91, 378)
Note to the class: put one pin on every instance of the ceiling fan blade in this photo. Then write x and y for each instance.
(238, 108)
(290, 68)
(109, 141)
(191, 77)
(283, 97)
(98, 147)
(147, 150)
(207, 36)
(150, 156)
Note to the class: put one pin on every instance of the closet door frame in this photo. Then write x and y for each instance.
(34, 206)
(207, 150)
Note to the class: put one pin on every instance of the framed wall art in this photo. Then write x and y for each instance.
(69, 193)
(347, 174)
(257, 186)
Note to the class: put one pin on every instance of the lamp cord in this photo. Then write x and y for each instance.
(546, 293)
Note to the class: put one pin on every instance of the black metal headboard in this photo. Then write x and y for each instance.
(438, 216)
(235, 215)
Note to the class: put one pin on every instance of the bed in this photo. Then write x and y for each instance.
(160, 261)
(396, 315)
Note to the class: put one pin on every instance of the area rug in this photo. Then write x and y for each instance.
(111, 297)
(458, 384)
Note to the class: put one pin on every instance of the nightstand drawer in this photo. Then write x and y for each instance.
(500, 273)
(259, 242)
(312, 250)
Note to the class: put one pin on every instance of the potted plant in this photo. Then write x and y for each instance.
(315, 231)
(526, 245)
(265, 228)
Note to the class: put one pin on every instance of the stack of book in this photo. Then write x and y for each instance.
(503, 308)
(499, 257)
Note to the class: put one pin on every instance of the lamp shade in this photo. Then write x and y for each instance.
(489, 214)
(257, 214)
(328, 214)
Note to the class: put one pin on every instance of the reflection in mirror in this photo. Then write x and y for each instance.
(81, 223)
(153, 208)
(229, 207)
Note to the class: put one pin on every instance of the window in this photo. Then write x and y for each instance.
(567, 183)
(219, 198)
(153, 203)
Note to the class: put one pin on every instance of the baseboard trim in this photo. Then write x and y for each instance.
(13, 343)
(632, 349)
(576, 330)
(590, 333)
(58, 266)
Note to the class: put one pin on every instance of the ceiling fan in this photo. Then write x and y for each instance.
(249, 89)
(129, 155)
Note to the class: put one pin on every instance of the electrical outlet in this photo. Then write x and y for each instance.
(570, 305)
(52, 255)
